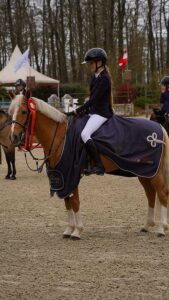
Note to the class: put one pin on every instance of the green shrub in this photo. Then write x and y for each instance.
(44, 92)
(75, 90)
(4, 94)
(141, 101)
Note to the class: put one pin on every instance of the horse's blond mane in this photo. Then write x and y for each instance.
(49, 111)
(42, 107)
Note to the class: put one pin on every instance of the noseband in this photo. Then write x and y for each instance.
(23, 126)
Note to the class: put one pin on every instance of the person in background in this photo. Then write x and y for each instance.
(164, 98)
(20, 87)
(54, 101)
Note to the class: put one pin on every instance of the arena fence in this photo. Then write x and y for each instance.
(67, 105)
(124, 109)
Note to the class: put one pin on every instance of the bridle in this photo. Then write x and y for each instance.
(6, 124)
(29, 129)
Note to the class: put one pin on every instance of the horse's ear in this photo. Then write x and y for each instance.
(28, 94)
(12, 95)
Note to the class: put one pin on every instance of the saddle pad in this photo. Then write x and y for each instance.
(134, 144)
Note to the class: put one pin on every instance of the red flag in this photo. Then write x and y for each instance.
(123, 60)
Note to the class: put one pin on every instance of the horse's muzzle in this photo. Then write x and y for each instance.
(16, 139)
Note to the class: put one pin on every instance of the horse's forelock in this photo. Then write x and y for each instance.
(15, 103)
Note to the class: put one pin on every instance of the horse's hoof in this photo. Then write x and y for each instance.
(166, 226)
(66, 236)
(7, 177)
(12, 178)
(143, 230)
(75, 238)
(160, 234)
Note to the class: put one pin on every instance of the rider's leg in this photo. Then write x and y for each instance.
(92, 125)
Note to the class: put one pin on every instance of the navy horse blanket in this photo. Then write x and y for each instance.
(134, 144)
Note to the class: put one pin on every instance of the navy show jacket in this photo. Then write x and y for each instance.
(100, 94)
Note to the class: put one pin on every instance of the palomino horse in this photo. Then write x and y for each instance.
(50, 130)
(8, 147)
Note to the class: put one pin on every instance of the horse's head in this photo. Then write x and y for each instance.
(19, 112)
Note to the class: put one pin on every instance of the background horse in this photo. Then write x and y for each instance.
(161, 118)
(8, 147)
(50, 130)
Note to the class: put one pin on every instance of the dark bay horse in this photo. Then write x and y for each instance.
(8, 147)
(161, 118)
(47, 120)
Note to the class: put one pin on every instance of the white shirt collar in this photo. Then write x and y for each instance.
(97, 74)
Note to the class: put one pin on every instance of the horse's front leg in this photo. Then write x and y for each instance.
(13, 176)
(8, 164)
(71, 219)
(75, 225)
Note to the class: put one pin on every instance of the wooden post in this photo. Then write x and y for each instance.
(147, 109)
(0, 155)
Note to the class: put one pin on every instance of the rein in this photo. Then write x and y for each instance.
(5, 125)
(50, 153)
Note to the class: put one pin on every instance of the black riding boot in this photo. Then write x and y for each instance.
(92, 151)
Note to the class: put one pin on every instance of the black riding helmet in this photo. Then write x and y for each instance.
(165, 80)
(20, 82)
(95, 54)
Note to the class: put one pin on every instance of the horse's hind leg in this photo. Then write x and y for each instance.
(75, 225)
(151, 194)
(162, 193)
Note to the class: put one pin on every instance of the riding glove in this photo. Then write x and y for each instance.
(71, 113)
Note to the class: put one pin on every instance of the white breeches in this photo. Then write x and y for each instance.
(92, 125)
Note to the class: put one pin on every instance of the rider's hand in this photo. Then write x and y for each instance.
(71, 113)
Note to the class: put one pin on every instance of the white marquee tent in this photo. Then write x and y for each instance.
(8, 76)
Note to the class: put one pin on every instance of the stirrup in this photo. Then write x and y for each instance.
(95, 170)
(88, 171)
(98, 170)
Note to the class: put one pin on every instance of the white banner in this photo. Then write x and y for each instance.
(22, 61)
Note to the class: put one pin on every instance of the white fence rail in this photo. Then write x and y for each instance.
(120, 109)
(124, 109)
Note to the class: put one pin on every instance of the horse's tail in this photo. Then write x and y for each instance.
(166, 159)
(165, 165)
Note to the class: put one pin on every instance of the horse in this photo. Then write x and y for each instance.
(161, 118)
(50, 130)
(8, 147)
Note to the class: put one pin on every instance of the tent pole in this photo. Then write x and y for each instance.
(59, 90)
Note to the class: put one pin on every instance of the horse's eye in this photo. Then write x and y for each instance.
(24, 112)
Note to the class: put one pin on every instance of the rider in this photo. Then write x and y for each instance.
(20, 86)
(99, 105)
(164, 98)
